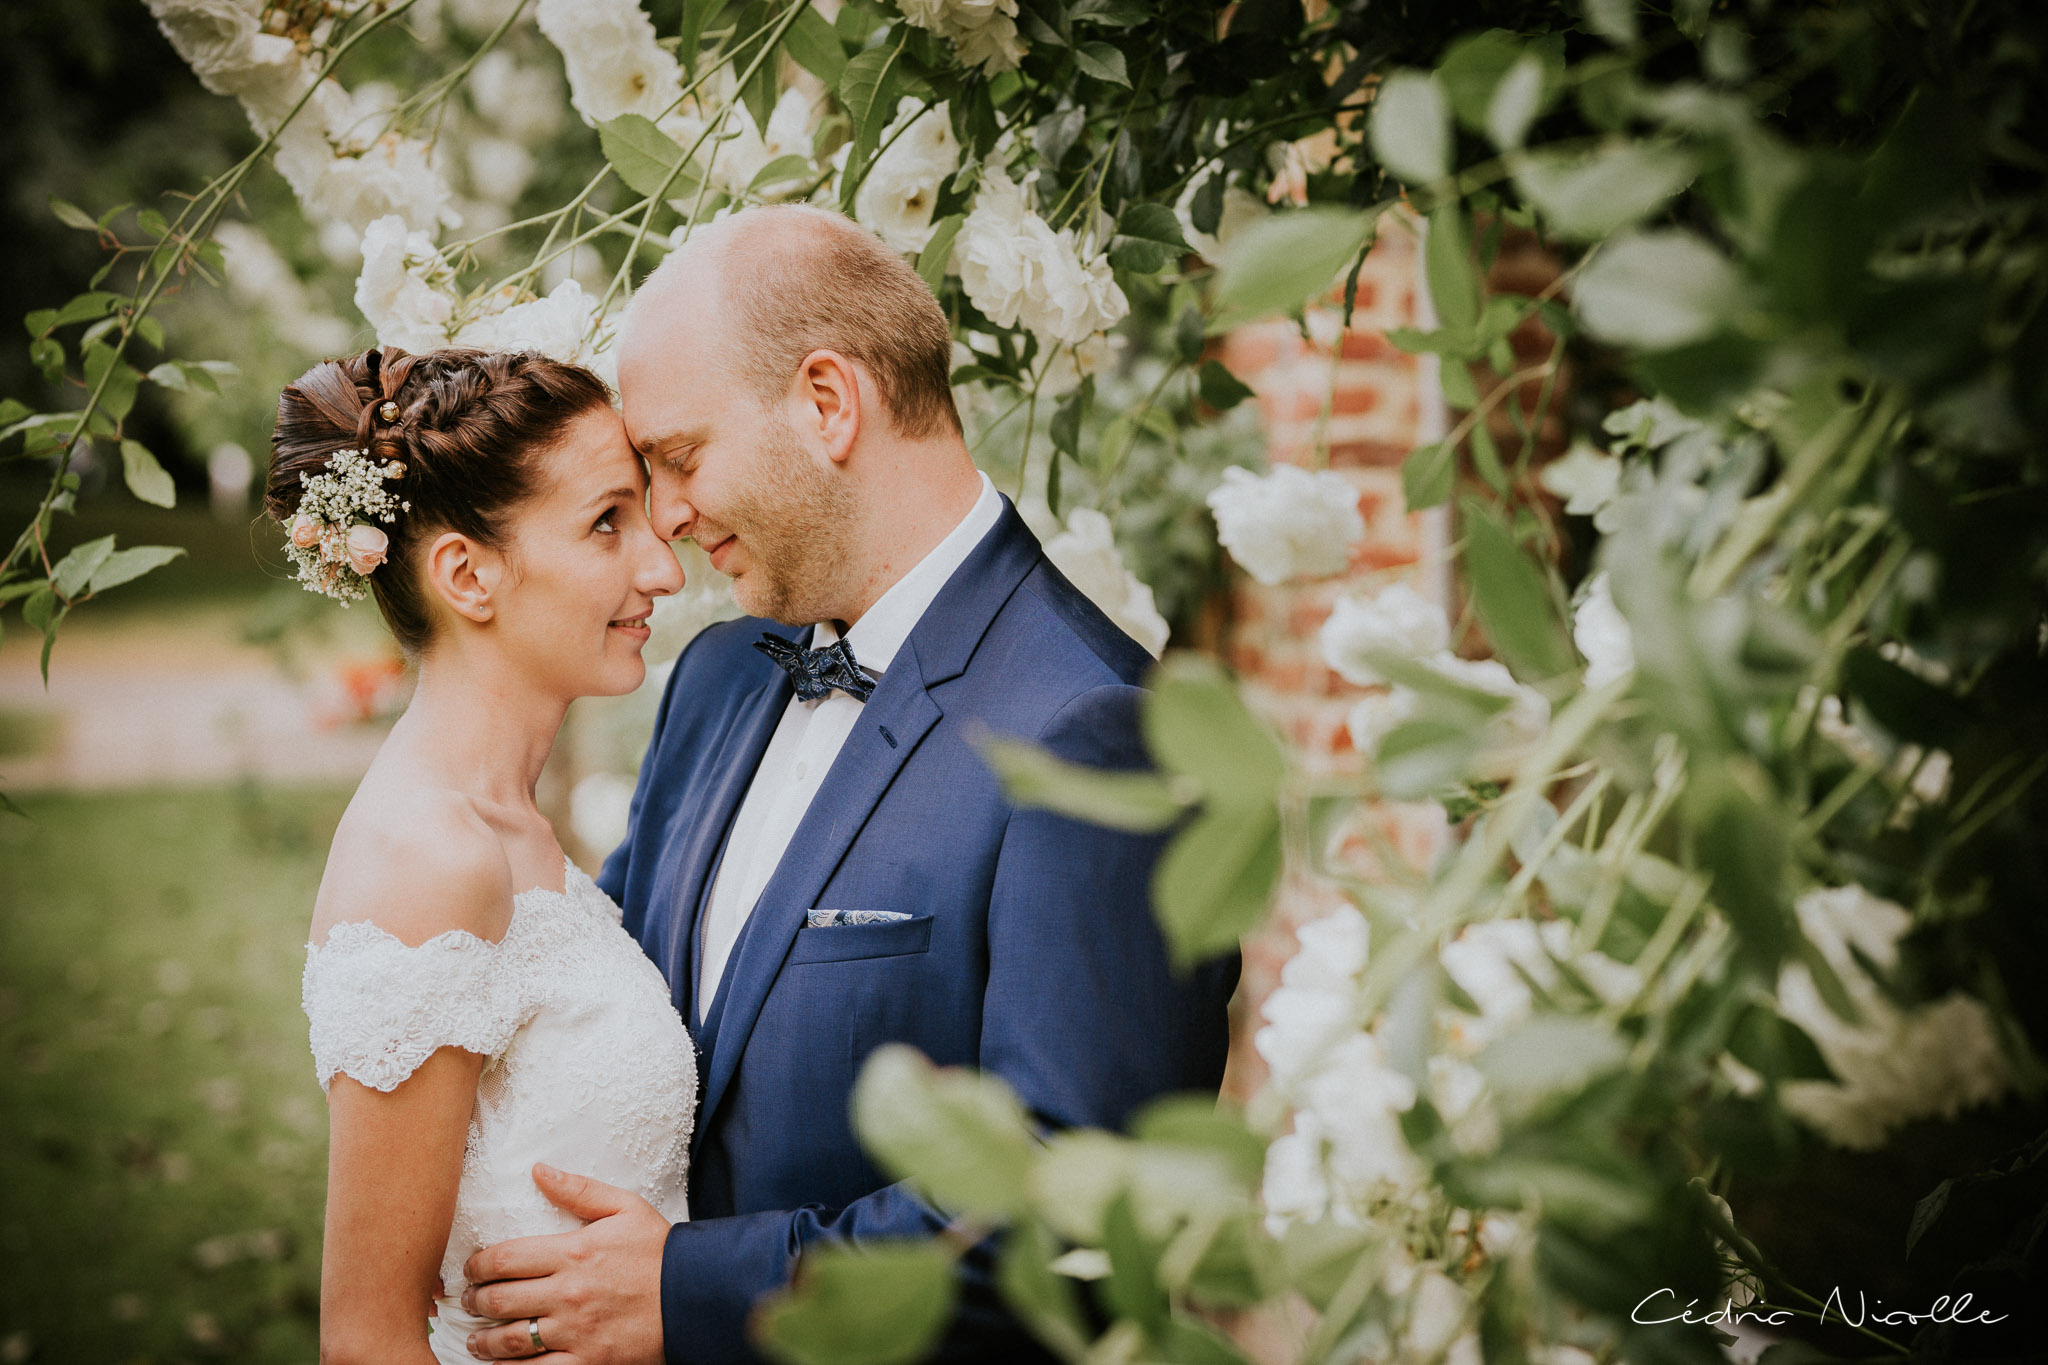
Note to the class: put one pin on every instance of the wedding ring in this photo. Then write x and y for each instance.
(533, 1334)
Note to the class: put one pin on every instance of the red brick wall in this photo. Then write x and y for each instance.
(1347, 400)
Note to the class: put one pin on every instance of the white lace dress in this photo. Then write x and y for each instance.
(588, 1065)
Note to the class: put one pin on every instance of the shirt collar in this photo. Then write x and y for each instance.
(884, 627)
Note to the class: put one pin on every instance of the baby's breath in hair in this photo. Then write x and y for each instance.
(331, 537)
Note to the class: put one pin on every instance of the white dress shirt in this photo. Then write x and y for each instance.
(809, 738)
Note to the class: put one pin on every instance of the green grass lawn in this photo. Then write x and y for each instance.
(162, 1139)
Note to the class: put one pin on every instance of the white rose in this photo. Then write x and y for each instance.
(1357, 1099)
(1601, 632)
(1295, 1186)
(394, 176)
(212, 36)
(1510, 733)
(1398, 621)
(1436, 1316)
(793, 126)
(525, 102)
(1494, 962)
(1287, 523)
(1332, 951)
(1302, 1023)
(560, 326)
(895, 201)
(1015, 268)
(1839, 919)
(1458, 1092)
(614, 64)
(1586, 479)
(1086, 553)
(983, 32)
(396, 291)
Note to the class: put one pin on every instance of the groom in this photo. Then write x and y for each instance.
(818, 859)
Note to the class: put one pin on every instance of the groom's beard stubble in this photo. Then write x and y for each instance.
(797, 525)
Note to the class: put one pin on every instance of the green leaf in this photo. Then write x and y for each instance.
(40, 608)
(1133, 1289)
(1110, 13)
(814, 45)
(781, 171)
(1411, 127)
(959, 1136)
(1657, 290)
(1574, 1194)
(1777, 1048)
(868, 90)
(125, 566)
(1614, 20)
(1215, 881)
(1100, 60)
(169, 376)
(1219, 388)
(1423, 756)
(1587, 198)
(1043, 1300)
(145, 477)
(1135, 801)
(1471, 72)
(1428, 475)
(1513, 599)
(642, 156)
(70, 215)
(878, 1303)
(84, 308)
(1549, 1055)
(1486, 459)
(121, 380)
(75, 570)
(1452, 274)
(1201, 1122)
(937, 256)
(1065, 427)
(1515, 103)
(1149, 238)
(1197, 724)
(1284, 261)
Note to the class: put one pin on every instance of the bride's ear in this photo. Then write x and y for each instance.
(464, 574)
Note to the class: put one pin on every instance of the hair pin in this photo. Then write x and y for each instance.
(389, 411)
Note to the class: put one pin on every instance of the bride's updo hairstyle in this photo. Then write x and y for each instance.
(469, 427)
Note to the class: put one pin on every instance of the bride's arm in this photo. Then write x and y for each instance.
(402, 1020)
(394, 1162)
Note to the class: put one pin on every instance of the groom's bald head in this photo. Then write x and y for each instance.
(770, 285)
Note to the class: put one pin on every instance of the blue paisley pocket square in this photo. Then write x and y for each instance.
(828, 919)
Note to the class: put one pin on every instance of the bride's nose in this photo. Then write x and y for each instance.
(661, 573)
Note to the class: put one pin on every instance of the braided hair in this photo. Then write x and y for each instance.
(467, 426)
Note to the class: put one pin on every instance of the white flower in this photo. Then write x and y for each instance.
(1331, 952)
(1510, 733)
(1302, 1024)
(394, 176)
(213, 37)
(1015, 268)
(1601, 632)
(1436, 1316)
(1357, 1100)
(1086, 553)
(1379, 715)
(525, 102)
(895, 201)
(614, 64)
(1241, 209)
(793, 126)
(1295, 1186)
(1458, 1093)
(1494, 962)
(562, 326)
(1894, 1065)
(1287, 523)
(400, 290)
(499, 168)
(983, 32)
(1398, 622)
(1586, 479)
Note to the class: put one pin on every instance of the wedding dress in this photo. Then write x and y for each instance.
(588, 1065)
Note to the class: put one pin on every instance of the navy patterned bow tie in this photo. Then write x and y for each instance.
(816, 672)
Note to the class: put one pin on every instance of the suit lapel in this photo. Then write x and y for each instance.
(860, 776)
(699, 831)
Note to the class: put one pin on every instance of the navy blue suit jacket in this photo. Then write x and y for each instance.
(1030, 950)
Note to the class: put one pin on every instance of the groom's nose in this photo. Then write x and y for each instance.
(673, 515)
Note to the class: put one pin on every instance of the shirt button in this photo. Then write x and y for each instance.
(800, 771)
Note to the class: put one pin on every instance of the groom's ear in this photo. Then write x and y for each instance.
(464, 574)
(829, 402)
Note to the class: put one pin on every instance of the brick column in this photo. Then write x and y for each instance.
(1342, 398)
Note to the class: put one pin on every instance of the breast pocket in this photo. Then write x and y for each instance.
(852, 942)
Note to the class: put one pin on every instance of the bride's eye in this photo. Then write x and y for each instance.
(604, 523)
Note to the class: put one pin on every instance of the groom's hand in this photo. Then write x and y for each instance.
(596, 1291)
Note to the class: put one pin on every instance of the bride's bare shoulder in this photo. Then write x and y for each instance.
(416, 862)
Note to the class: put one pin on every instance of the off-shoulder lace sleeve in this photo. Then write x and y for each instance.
(378, 1008)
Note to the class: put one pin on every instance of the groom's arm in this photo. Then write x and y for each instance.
(1083, 1016)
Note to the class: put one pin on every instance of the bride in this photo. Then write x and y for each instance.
(475, 1007)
